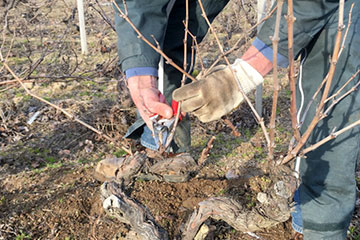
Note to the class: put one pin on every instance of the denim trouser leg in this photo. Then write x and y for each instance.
(296, 216)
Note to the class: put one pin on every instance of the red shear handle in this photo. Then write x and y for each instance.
(175, 106)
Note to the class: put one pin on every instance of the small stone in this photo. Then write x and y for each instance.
(262, 197)
(202, 233)
(231, 175)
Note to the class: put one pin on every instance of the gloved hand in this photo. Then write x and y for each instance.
(148, 99)
(217, 94)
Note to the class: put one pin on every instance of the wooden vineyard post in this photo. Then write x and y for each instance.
(80, 6)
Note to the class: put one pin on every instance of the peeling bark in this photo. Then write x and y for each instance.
(129, 211)
(274, 207)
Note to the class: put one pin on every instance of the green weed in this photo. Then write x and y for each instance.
(22, 236)
(54, 165)
(84, 93)
(221, 192)
(120, 153)
(2, 200)
(38, 170)
(354, 233)
(50, 159)
(357, 180)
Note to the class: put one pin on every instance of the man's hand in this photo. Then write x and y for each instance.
(148, 99)
(218, 93)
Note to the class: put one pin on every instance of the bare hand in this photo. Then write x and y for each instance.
(148, 99)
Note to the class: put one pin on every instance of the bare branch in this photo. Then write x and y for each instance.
(10, 47)
(292, 81)
(172, 133)
(325, 79)
(235, 132)
(328, 138)
(251, 32)
(67, 114)
(197, 50)
(206, 150)
(275, 41)
(103, 15)
(347, 30)
(336, 100)
(338, 92)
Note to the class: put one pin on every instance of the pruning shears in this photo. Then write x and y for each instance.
(162, 126)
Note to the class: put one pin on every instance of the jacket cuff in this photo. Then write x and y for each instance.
(141, 71)
(267, 51)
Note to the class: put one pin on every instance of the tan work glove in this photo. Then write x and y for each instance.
(218, 93)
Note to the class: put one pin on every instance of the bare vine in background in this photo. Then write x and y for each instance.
(103, 15)
(67, 114)
(241, 41)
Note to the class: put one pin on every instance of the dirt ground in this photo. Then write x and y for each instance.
(47, 188)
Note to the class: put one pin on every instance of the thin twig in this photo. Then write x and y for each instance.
(192, 58)
(7, 88)
(13, 82)
(172, 133)
(10, 47)
(197, 50)
(235, 132)
(258, 118)
(292, 81)
(338, 92)
(320, 107)
(67, 114)
(275, 41)
(335, 101)
(241, 41)
(205, 151)
(328, 138)
(347, 30)
(103, 15)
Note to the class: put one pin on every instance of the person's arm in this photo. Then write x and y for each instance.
(137, 59)
(257, 60)
(311, 16)
(150, 18)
